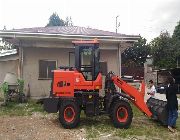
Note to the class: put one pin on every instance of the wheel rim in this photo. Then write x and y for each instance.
(69, 114)
(122, 114)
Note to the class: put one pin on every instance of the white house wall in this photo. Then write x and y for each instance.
(41, 88)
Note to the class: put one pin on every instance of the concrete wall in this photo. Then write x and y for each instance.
(33, 85)
(110, 56)
(41, 88)
(8, 66)
(149, 74)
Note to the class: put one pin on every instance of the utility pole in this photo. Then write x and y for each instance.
(119, 50)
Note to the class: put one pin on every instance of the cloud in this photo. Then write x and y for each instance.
(145, 17)
(166, 16)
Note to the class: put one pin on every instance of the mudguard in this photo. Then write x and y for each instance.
(51, 105)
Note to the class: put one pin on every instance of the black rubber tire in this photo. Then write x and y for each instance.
(127, 119)
(76, 119)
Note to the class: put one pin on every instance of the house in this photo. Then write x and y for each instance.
(41, 49)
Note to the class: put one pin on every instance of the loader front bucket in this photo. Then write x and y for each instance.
(158, 109)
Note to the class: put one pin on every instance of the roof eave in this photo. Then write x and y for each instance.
(8, 34)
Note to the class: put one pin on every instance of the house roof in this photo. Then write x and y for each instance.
(67, 32)
(70, 30)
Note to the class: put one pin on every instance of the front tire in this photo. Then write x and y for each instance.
(121, 114)
(69, 114)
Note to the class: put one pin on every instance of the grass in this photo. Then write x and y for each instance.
(20, 109)
(101, 127)
(1, 99)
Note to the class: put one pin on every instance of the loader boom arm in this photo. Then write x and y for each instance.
(137, 96)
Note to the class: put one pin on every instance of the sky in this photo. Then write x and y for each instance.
(145, 17)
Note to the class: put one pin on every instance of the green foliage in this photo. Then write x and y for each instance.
(21, 86)
(176, 40)
(176, 33)
(55, 20)
(163, 52)
(137, 54)
(22, 109)
(142, 127)
(166, 49)
(4, 88)
(4, 45)
(68, 21)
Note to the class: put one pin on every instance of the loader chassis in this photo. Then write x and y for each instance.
(77, 89)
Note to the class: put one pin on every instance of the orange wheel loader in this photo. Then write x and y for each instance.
(74, 89)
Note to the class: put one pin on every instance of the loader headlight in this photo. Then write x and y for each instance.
(97, 87)
(90, 96)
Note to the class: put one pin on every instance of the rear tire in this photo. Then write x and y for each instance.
(121, 114)
(69, 114)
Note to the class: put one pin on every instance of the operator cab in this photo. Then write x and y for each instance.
(87, 57)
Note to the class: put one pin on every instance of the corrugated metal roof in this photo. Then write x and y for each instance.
(70, 30)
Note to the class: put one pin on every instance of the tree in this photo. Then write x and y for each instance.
(4, 45)
(176, 33)
(68, 21)
(163, 52)
(54, 20)
(176, 40)
(137, 54)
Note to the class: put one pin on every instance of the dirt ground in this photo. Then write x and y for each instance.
(36, 127)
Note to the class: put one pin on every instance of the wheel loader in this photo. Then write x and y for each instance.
(76, 89)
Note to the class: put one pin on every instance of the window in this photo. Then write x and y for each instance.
(45, 68)
(86, 57)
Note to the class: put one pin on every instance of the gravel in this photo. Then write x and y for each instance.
(37, 127)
